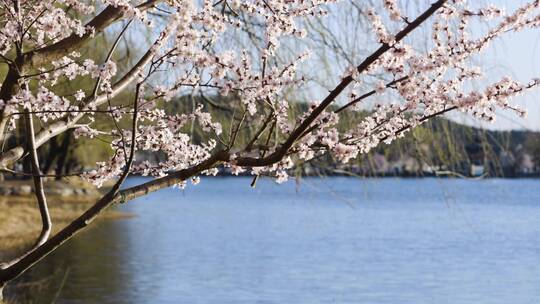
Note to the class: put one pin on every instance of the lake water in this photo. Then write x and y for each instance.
(333, 240)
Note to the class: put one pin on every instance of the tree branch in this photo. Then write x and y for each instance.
(129, 161)
(91, 214)
(99, 23)
(42, 56)
(39, 191)
(221, 156)
(58, 127)
(282, 151)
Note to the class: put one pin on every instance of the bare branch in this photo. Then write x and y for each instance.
(99, 23)
(59, 127)
(91, 214)
(133, 143)
(39, 192)
(277, 155)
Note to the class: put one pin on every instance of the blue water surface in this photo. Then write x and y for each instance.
(319, 240)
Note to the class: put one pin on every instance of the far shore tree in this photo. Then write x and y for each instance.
(192, 48)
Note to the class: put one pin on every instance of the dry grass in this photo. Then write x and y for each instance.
(20, 222)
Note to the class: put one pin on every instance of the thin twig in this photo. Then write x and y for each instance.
(254, 181)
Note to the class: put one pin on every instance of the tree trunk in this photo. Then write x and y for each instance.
(2, 294)
(51, 155)
(21, 140)
(63, 154)
(27, 168)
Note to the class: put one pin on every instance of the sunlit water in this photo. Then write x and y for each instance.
(333, 240)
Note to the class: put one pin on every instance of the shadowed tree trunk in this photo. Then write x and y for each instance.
(51, 155)
(62, 153)
(26, 163)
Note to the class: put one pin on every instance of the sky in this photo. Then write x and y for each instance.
(516, 55)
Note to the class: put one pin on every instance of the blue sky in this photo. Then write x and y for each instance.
(516, 55)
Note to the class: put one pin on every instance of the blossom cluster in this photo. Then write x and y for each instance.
(431, 83)
(191, 53)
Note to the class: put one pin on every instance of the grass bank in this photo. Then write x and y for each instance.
(20, 222)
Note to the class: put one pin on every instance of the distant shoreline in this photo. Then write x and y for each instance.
(355, 175)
